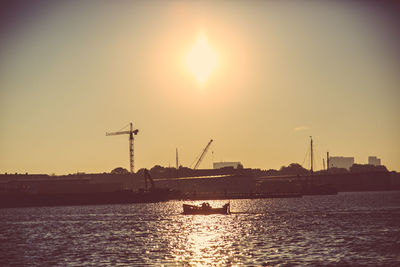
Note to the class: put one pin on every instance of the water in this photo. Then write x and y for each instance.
(349, 228)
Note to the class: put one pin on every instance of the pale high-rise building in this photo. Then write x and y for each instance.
(372, 160)
(341, 162)
(220, 165)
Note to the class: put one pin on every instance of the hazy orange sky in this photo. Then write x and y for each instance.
(71, 71)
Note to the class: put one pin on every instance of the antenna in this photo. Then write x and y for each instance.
(177, 161)
(327, 161)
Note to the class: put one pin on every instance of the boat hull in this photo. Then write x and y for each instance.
(205, 210)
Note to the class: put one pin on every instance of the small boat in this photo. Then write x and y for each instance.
(205, 209)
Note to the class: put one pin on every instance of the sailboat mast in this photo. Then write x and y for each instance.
(311, 155)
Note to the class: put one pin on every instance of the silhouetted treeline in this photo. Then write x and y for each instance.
(361, 168)
(292, 169)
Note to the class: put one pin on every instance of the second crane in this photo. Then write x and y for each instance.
(203, 154)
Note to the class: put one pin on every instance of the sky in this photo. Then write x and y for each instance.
(257, 77)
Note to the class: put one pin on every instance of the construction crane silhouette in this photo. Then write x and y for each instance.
(131, 132)
(202, 155)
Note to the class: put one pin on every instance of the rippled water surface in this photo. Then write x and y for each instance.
(349, 228)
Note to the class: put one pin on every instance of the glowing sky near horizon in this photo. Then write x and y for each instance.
(271, 75)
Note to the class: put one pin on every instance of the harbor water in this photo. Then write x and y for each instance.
(357, 228)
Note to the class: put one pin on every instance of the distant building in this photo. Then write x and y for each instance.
(220, 165)
(372, 160)
(341, 162)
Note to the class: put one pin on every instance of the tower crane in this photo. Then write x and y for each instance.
(202, 154)
(131, 132)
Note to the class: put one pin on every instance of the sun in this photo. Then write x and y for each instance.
(201, 60)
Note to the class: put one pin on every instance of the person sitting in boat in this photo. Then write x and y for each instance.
(227, 207)
(205, 206)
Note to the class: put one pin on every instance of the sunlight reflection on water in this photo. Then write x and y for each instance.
(350, 228)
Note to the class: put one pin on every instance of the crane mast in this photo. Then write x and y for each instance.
(131, 133)
(202, 154)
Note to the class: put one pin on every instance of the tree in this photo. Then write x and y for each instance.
(120, 170)
(357, 168)
(294, 168)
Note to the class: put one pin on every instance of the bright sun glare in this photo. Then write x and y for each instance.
(201, 60)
